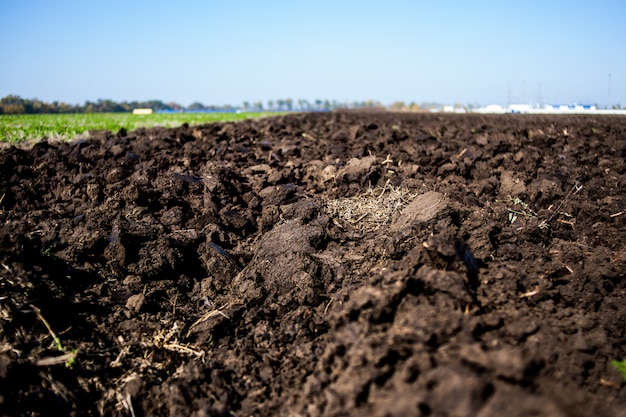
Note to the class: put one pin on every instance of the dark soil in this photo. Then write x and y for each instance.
(198, 271)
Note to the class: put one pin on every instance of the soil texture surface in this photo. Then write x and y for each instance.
(320, 264)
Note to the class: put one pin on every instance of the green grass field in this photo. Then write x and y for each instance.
(34, 127)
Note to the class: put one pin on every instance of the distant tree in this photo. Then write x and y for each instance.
(195, 106)
(103, 106)
(270, 105)
(12, 104)
(335, 104)
(11, 99)
(159, 105)
(304, 104)
(89, 107)
(398, 105)
(289, 104)
(64, 107)
(13, 109)
(430, 105)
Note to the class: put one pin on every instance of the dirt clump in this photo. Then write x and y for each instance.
(318, 264)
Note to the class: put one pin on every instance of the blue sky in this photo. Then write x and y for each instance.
(228, 52)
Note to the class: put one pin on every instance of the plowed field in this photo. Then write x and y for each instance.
(331, 264)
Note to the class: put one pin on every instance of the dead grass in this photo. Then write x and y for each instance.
(370, 210)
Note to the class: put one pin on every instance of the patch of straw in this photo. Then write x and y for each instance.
(370, 210)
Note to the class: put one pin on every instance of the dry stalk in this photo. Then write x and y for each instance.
(212, 313)
(535, 291)
(328, 305)
(165, 341)
(177, 347)
(68, 358)
(575, 189)
(128, 404)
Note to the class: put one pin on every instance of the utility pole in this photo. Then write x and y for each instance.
(609, 103)
(539, 103)
(508, 94)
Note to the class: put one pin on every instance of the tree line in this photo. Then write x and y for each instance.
(306, 105)
(14, 104)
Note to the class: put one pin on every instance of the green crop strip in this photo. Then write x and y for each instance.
(34, 127)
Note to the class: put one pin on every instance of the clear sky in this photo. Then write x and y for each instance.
(228, 52)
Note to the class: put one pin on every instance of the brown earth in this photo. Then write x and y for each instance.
(335, 264)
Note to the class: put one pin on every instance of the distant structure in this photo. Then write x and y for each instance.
(142, 111)
(454, 109)
(547, 109)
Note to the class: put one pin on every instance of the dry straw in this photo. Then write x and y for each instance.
(370, 210)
